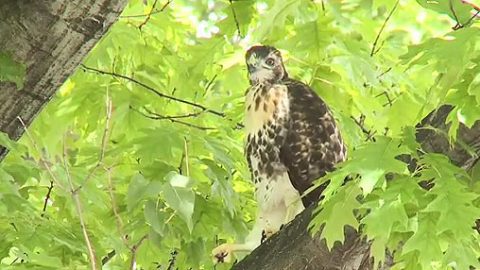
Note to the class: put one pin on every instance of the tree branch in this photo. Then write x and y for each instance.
(235, 19)
(150, 13)
(148, 16)
(173, 119)
(153, 90)
(105, 136)
(47, 197)
(43, 162)
(133, 262)
(374, 47)
(78, 207)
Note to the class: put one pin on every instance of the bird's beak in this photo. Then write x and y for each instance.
(251, 68)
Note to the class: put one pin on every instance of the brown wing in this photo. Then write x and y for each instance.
(313, 144)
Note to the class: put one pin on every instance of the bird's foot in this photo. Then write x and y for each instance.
(267, 233)
(222, 254)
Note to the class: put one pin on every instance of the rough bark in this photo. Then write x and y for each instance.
(293, 248)
(50, 37)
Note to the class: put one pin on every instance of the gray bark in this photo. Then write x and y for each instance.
(50, 37)
(294, 249)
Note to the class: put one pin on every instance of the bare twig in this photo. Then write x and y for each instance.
(374, 47)
(385, 72)
(173, 120)
(153, 90)
(47, 197)
(473, 17)
(454, 13)
(389, 100)
(150, 13)
(108, 257)
(172, 260)
(43, 162)
(160, 117)
(118, 219)
(235, 19)
(360, 123)
(78, 206)
(106, 132)
(209, 84)
(185, 150)
(182, 158)
(133, 263)
(148, 16)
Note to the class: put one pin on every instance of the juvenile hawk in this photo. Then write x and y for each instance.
(291, 140)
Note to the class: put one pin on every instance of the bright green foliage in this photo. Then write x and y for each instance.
(11, 71)
(177, 180)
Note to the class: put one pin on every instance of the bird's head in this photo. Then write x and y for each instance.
(265, 64)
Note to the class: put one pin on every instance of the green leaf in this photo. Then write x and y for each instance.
(155, 217)
(181, 199)
(337, 213)
(140, 189)
(424, 242)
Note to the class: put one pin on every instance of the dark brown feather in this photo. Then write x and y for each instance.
(313, 144)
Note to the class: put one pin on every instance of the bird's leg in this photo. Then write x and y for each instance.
(225, 252)
(294, 206)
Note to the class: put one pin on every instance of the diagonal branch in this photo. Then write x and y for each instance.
(106, 133)
(133, 262)
(78, 206)
(374, 47)
(150, 13)
(173, 119)
(47, 197)
(153, 90)
(42, 162)
(235, 19)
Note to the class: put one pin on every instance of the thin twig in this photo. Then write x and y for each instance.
(385, 72)
(389, 100)
(173, 120)
(106, 133)
(133, 263)
(160, 117)
(149, 14)
(209, 84)
(374, 47)
(108, 257)
(182, 158)
(360, 123)
(454, 13)
(78, 206)
(473, 17)
(153, 90)
(43, 162)
(47, 197)
(185, 150)
(118, 219)
(172, 260)
(235, 19)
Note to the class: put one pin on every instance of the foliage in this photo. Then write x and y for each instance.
(143, 146)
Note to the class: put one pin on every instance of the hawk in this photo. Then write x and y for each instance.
(291, 140)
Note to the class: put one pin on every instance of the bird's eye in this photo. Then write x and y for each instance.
(270, 62)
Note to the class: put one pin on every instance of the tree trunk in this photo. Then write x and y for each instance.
(50, 38)
(293, 248)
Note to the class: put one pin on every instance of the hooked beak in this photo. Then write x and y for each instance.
(251, 68)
